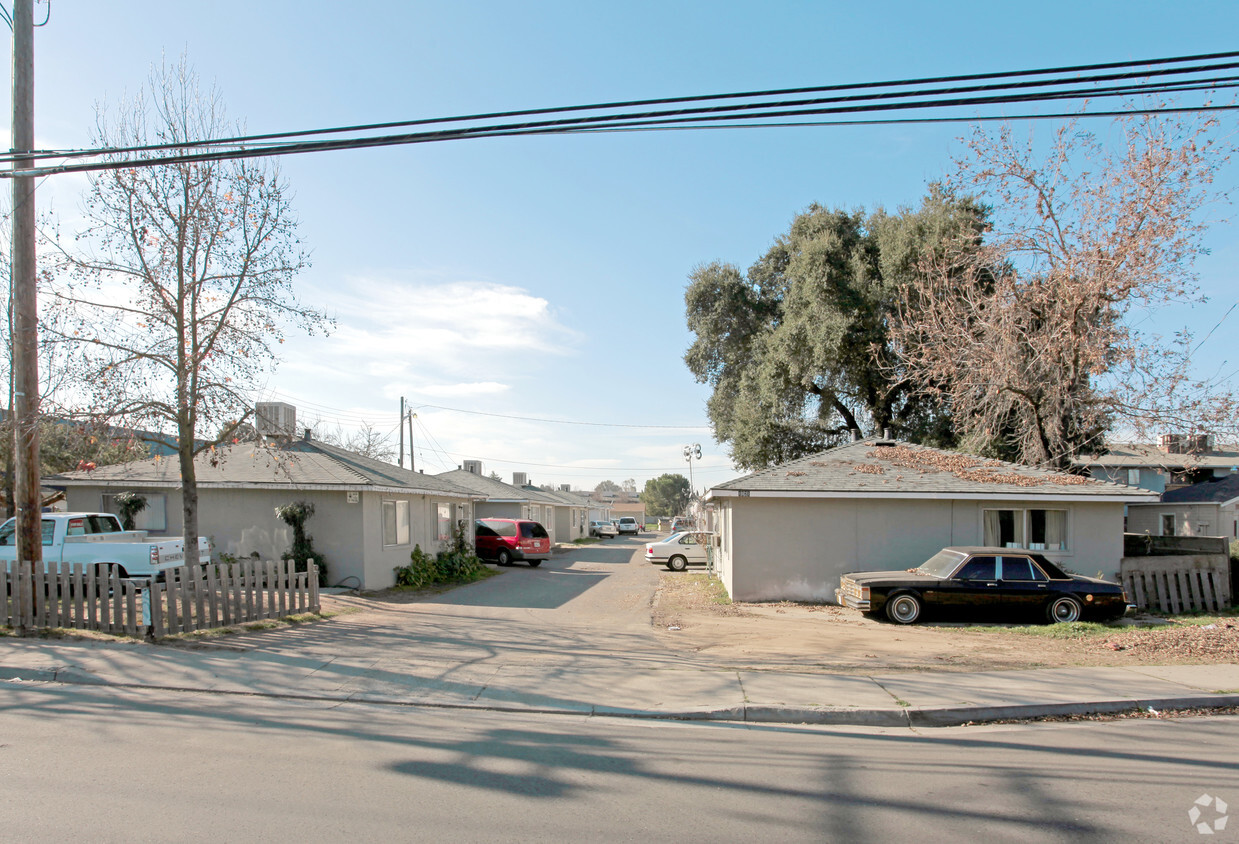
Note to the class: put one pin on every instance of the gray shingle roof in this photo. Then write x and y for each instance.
(1217, 491)
(495, 490)
(298, 464)
(887, 468)
(1138, 455)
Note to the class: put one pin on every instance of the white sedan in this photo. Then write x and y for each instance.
(603, 529)
(678, 551)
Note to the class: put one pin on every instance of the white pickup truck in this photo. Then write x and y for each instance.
(97, 539)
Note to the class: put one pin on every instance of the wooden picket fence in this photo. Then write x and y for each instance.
(188, 598)
(1178, 584)
(199, 597)
(74, 596)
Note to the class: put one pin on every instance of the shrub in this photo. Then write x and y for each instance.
(455, 564)
(1234, 550)
(295, 515)
(419, 573)
(130, 504)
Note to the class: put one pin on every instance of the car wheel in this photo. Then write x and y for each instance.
(504, 557)
(1063, 610)
(903, 609)
(533, 564)
(677, 563)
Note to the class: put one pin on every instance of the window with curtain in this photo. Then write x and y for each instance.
(1004, 528)
(1047, 530)
(1037, 530)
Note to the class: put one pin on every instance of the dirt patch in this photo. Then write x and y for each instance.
(688, 616)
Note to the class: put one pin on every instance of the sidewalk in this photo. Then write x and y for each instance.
(626, 687)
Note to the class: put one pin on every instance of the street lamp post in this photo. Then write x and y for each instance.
(692, 452)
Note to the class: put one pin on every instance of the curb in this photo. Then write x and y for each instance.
(951, 716)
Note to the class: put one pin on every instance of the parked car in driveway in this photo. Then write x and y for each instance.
(508, 540)
(678, 551)
(996, 581)
(627, 524)
(603, 530)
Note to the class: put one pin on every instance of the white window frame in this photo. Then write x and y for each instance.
(1161, 524)
(443, 521)
(1133, 477)
(154, 518)
(1024, 525)
(400, 532)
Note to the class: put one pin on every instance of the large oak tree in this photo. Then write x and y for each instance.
(797, 349)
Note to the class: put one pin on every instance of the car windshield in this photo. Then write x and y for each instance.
(940, 564)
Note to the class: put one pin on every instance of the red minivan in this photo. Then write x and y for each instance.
(505, 540)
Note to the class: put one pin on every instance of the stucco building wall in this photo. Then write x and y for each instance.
(796, 548)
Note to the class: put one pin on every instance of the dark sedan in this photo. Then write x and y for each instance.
(958, 581)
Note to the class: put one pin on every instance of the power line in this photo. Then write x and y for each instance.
(1136, 69)
(1214, 328)
(656, 120)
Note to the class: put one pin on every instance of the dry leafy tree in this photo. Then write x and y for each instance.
(1033, 339)
(66, 439)
(179, 285)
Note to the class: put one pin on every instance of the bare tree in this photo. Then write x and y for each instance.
(1033, 339)
(180, 285)
(366, 440)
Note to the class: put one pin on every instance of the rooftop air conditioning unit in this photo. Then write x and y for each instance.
(1202, 443)
(565, 487)
(473, 466)
(275, 419)
(520, 478)
(1171, 443)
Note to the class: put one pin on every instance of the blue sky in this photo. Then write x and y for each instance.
(544, 277)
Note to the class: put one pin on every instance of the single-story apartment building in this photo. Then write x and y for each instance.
(571, 513)
(368, 514)
(500, 500)
(789, 532)
(1209, 508)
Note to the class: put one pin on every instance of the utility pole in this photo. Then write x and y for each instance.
(411, 417)
(25, 299)
(401, 427)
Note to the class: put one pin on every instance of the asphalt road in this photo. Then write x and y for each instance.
(103, 764)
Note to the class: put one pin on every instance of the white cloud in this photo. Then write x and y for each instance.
(416, 333)
(476, 388)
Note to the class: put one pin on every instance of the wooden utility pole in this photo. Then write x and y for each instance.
(25, 300)
(401, 427)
